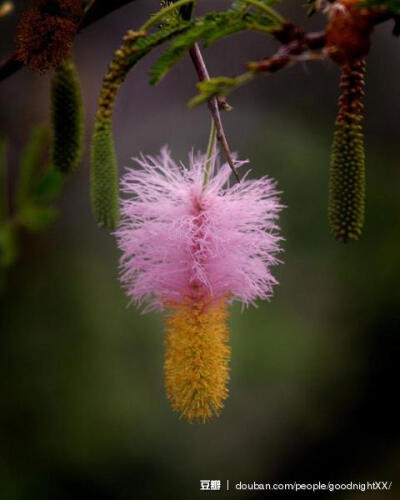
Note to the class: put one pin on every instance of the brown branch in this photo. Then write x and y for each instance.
(9, 66)
(296, 45)
(96, 10)
(213, 106)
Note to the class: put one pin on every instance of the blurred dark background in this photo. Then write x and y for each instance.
(314, 386)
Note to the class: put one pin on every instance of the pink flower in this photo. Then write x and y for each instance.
(180, 239)
(191, 247)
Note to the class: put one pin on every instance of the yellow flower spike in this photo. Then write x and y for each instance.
(197, 358)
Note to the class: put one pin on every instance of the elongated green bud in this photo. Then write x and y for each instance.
(104, 176)
(67, 118)
(136, 44)
(103, 168)
(347, 169)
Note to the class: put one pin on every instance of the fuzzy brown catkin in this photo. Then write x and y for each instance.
(45, 32)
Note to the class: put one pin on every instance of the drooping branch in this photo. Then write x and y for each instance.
(96, 10)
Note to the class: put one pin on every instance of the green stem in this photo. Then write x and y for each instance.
(210, 152)
(267, 9)
(243, 78)
(163, 12)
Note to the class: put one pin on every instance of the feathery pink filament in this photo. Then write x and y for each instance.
(180, 239)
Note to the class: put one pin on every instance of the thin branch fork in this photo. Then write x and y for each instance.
(296, 44)
(299, 45)
(96, 10)
(213, 106)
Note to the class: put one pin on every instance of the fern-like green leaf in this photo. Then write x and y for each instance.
(220, 85)
(49, 186)
(210, 28)
(212, 88)
(33, 158)
(150, 42)
(174, 53)
(224, 30)
(392, 5)
(36, 217)
(202, 28)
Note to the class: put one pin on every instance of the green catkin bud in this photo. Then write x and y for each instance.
(103, 169)
(118, 69)
(104, 176)
(67, 118)
(104, 182)
(347, 168)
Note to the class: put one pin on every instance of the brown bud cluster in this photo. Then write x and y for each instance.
(352, 85)
(45, 32)
(349, 30)
(297, 44)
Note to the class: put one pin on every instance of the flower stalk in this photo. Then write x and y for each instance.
(210, 152)
(213, 106)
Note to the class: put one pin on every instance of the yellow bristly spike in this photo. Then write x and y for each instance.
(197, 358)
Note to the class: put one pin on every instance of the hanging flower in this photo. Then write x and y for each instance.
(190, 248)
